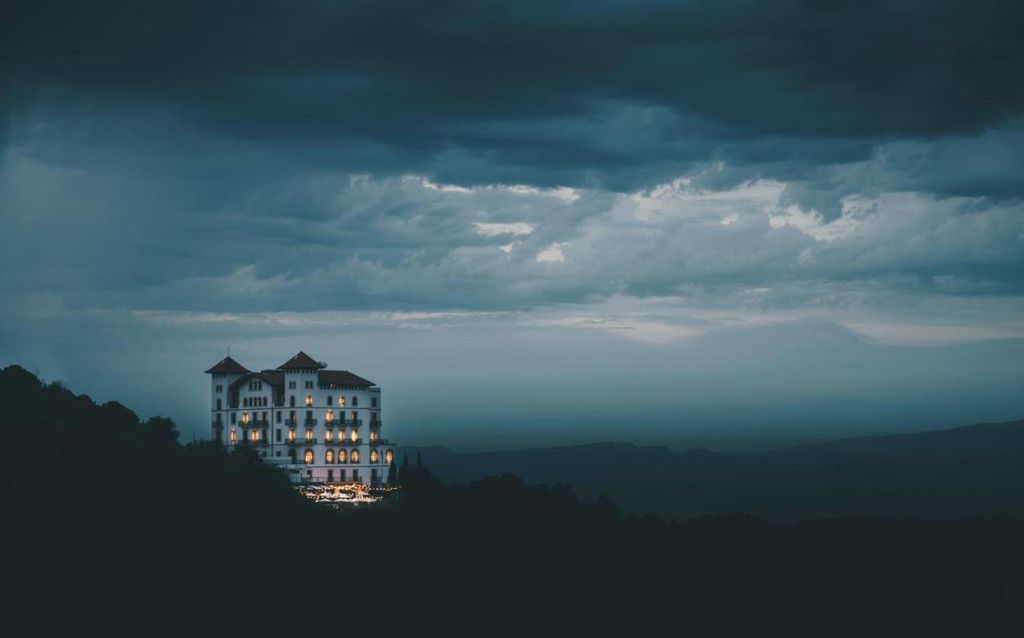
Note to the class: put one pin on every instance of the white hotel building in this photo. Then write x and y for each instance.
(322, 425)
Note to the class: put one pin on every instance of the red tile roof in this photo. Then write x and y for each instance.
(300, 361)
(227, 365)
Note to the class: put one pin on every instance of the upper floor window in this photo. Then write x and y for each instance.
(291, 385)
(309, 385)
(329, 400)
(341, 401)
(389, 457)
(220, 388)
(355, 401)
(308, 456)
(309, 399)
(234, 436)
(354, 457)
(291, 401)
(278, 413)
(374, 456)
(218, 404)
(329, 417)
(232, 417)
(373, 402)
(329, 457)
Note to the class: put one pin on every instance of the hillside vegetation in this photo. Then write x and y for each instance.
(112, 528)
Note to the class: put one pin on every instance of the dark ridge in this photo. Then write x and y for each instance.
(112, 528)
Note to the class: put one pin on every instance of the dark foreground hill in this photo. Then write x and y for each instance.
(110, 528)
(978, 468)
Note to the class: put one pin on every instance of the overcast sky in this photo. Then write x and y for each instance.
(723, 223)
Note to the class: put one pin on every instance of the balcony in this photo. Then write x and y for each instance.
(302, 441)
(310, 422)
(333, 441)
(376, 423)
(260, 423)
(291, 422)
(380, 442)
(354, 423)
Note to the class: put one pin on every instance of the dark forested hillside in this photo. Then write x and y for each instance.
(111, 528)
(968, 470)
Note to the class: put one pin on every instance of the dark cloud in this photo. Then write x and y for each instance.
(582, 93)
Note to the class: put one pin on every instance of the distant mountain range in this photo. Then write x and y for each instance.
(965, 470)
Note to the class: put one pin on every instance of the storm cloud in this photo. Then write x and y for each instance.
(648, 171)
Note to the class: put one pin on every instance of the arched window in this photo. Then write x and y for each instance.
(354, 457)
(329, 458)
(308, 457)
(291, 455)
(355, 402)
(374, 456)
(291, 401)
(341, 456)
(218, 404)
(329, 417)
(329, 400)
(309, 400)
(341, 400)
(389, 457)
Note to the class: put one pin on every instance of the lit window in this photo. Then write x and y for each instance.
(373, 435)
(330, 456)
(329, 435)
(374, 456)
(355, 435)
(354, 457)
(255, 435)
(309, 434)
(245, 418)
(341, 401)
(309, 400)
(308, 457)
(234, 436)
(329, 416)
(389, 457)
(341, 456)
(291, 435)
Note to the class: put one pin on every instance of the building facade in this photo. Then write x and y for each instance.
(320, 425)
